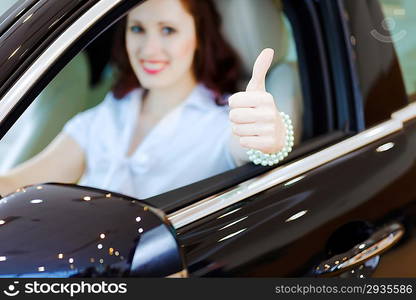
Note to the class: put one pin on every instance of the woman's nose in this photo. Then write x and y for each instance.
(152, 45)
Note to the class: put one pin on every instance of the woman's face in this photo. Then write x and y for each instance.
(161, 43)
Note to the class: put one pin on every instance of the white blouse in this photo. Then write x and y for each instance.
(189, 144)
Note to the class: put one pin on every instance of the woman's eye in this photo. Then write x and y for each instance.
(168, 30)
(136, 29)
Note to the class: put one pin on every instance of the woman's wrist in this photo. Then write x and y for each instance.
(266, 159)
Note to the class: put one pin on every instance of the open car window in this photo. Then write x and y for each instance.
(88, 78)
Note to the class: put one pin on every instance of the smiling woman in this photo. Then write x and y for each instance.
(176, 74)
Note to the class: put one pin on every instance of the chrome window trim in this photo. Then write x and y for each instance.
(406, 114)
(293, 170)
(52, 53)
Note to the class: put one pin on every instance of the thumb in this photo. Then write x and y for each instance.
(261, 66)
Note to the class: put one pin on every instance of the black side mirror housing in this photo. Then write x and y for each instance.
(60, 230)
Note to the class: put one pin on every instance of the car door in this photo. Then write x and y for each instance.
(339, 203)
(329, 196)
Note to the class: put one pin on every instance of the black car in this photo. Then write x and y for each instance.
(342, 204)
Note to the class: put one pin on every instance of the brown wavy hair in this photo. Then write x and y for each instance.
(216, 64)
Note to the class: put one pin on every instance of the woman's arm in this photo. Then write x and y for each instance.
(63, 160)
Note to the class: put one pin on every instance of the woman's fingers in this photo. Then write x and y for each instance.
(250, 99)
(253, 129)
(244, 115)
(253, 115)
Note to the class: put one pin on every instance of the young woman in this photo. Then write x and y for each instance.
(166, 123)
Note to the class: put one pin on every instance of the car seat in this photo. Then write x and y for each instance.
(251, 26)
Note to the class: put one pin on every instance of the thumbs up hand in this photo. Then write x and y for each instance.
(255, 120)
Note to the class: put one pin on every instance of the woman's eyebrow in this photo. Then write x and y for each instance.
(135, 22)
(167, 22)
(164, 22)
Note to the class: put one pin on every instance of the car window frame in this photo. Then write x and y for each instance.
(228, 179)
(317, 97)
(353, 133)
(174, 201)
(347, 92)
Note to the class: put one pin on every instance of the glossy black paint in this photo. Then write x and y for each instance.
(9, 17)
(259, 236)
(365, 186)
(354, 187)
(55, 230)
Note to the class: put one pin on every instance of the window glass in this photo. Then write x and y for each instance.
(155, 154)
(401, 21)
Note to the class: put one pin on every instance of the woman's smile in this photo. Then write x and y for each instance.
(153, 67)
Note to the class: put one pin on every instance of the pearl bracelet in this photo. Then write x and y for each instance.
(264, 159)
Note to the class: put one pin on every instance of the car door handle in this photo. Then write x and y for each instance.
(376, 244)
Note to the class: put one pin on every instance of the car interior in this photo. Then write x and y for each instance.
(265, 25)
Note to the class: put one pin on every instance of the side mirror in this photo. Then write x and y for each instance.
(59, 230)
